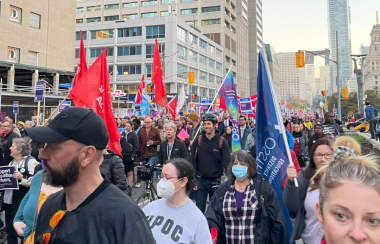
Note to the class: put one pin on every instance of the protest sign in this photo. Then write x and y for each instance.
(6, 178)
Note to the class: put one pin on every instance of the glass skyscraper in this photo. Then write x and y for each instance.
(339, 19)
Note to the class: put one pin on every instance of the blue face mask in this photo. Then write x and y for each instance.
(240, 172)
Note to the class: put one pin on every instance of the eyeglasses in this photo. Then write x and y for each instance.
(163, 177)
(326, 155)
(54, 221)
(4, 126)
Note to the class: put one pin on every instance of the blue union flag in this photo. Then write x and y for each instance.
(271, 150)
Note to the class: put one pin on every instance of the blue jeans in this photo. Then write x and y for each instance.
(372, 128)
(206, 187)
(152, 161)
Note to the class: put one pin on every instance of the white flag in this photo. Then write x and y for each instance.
(181, 99)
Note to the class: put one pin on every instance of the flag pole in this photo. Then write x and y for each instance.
(279, 118)
(216, 94)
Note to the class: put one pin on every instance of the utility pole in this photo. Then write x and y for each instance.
(359, 81)
(337, 77)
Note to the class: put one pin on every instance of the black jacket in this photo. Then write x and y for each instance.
(276, 231)
(179, 150)
(222, 127)
(6, 142)
(113, 167)
(210, 159)
(130, 144)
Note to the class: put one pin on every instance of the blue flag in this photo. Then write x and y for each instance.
(272, 158)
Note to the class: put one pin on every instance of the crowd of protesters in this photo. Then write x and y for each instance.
(71, 186)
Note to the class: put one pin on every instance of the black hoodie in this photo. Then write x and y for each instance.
(113, 167)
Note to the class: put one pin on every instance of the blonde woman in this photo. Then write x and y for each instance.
(349, 201)
(348, 142)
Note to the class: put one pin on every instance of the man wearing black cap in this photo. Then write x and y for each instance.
(89, 209)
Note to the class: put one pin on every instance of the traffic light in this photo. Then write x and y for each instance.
(325, 105)
(194, 97)
(345, 94)
(323, 93)
(191, 77)
(150, 88)
(300, 60)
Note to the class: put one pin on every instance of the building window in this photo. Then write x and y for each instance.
(202, 44)
(129, 70)
(218, 53)
(181, 53)
(233, 29)
(203, 91)
(187, 1)
(181, 34)
(148, 70)
(111, 6)
(129, 51)
(94, 8)
(228, 59)
(35, 20)
(149, 15)
(203, 59)
(218, 66)
(181, 69)
(193, 55)
(233, 18)
(210, 9)
(193, 39)
(189, 11)
(150, 50)
(130, 16)
(211, 22)
(212, 93)
(77, 35)
(93, 20)
(211, 78)
(16, 14)
(148, 3)
(153, 32)
(211, 49)
(233, 62)
(163, 2)
(211, 63)
(79, 21)
(129, 32)
(33, 58)
(111, 18)
(192, 23)
(13, 55)
(76, 53)
(94, 53)
(164, 13)
(227, 24)
(130, 5)
(80, 10)
(102, 34)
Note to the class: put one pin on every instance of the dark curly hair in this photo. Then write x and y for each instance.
(184, 169)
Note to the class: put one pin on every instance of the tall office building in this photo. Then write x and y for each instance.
(274, 68)
(371, 74)
(339, 20)
(255, 23)
(36, 42)
(292, 79)
(215, 19)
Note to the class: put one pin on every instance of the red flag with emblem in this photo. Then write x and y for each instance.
(93, 90)
(81, 69)
(139, 93)
(157, 79)
(172, 105)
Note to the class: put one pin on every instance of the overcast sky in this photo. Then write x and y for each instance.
(290, 25)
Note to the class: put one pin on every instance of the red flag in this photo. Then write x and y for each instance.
(223, 103)
(157, 79)
(81, 69)
(139, 93)
(172, 105)
(93, 90)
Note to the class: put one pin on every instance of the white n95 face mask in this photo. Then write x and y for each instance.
(166, 188)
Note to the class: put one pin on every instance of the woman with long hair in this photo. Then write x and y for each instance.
(349, 201)
(228, 136)
(301, 200)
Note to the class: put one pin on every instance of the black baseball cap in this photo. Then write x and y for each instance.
(79, 124)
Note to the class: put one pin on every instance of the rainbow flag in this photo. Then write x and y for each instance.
(228, 92)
